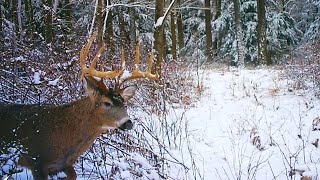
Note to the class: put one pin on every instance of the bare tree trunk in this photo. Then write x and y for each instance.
(15, 17)
(1, 32)
(109, 35)
(263, 55)
(239, 33)
(208, 30)
(48, 21)
(180, 27)
(29, 16)
(217, 36)
(122, 27)
(174, 36)
(19, 11)
(133, 28)
(100, 23)
(68, 13)
(283, 4)
(159, 33)
(55, 7)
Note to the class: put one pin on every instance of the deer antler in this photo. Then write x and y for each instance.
(91, 71)
(136, 73)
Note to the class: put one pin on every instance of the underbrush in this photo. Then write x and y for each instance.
(303, 69)
(157, 110)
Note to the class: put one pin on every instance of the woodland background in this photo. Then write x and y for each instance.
(40, 41)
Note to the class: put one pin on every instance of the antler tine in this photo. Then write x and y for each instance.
(137, 55)
(91, 71)
(84, 53)
(136, 73)
(123, 62)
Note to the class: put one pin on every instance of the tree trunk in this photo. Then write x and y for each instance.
(159, 34)
(109, 36)
(100, 23)
(48, 21)
(133, 28)
(1, 33)
(29, 16)
(239, 33)
(217, 36)
(68, 13)
(19, 14)
(208, 30)
(263, 55)
(174, 36)
(180, 27)
(15, 17)
(55, 5)
(122, 27)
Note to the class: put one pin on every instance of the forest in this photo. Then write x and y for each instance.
(242, 73)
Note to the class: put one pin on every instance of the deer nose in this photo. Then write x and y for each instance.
(127, 125)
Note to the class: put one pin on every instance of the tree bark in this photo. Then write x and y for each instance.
(122, 27)
(29, 16)
(239, 33)
(217, 36)
(19, 14)
(15, 17)
(100, 23)
(208, 30)
(263, 55)
(68, 14)
(174, 36)
(48, 21)
(133, 28)
(1, 33)
(180, 27)
(109, 35)
(159, 34)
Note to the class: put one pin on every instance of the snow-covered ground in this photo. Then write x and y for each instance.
(248, 124)
(251, 124)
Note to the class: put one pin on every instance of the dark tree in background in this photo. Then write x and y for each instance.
(29, 16)
(100, 23)
(159, 45)
(238, 32)
(263, 55)
(217, 15)
(180, 26)
(173, 35)
(208, 30)
(1, 33)
(133, 27)
(48, 20)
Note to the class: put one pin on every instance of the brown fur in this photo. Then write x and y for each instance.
(53, 137)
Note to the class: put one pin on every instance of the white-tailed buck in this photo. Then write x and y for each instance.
(51, 138)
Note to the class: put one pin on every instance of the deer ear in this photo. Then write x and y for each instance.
(128, 92)
(89, 87)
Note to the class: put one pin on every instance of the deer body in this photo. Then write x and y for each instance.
(53, 137)
(50, 139)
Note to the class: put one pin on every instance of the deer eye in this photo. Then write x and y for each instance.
(107, 104)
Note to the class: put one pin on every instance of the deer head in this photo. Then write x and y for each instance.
(111, 100)
(53, 137)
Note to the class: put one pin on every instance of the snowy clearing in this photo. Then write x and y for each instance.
(250, 124)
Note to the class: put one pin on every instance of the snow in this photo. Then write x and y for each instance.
(126, 74)
(53, 82)
(247, 125)
(159, 22)
(36, 78)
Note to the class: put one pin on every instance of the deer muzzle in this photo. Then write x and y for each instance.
(127, 125)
